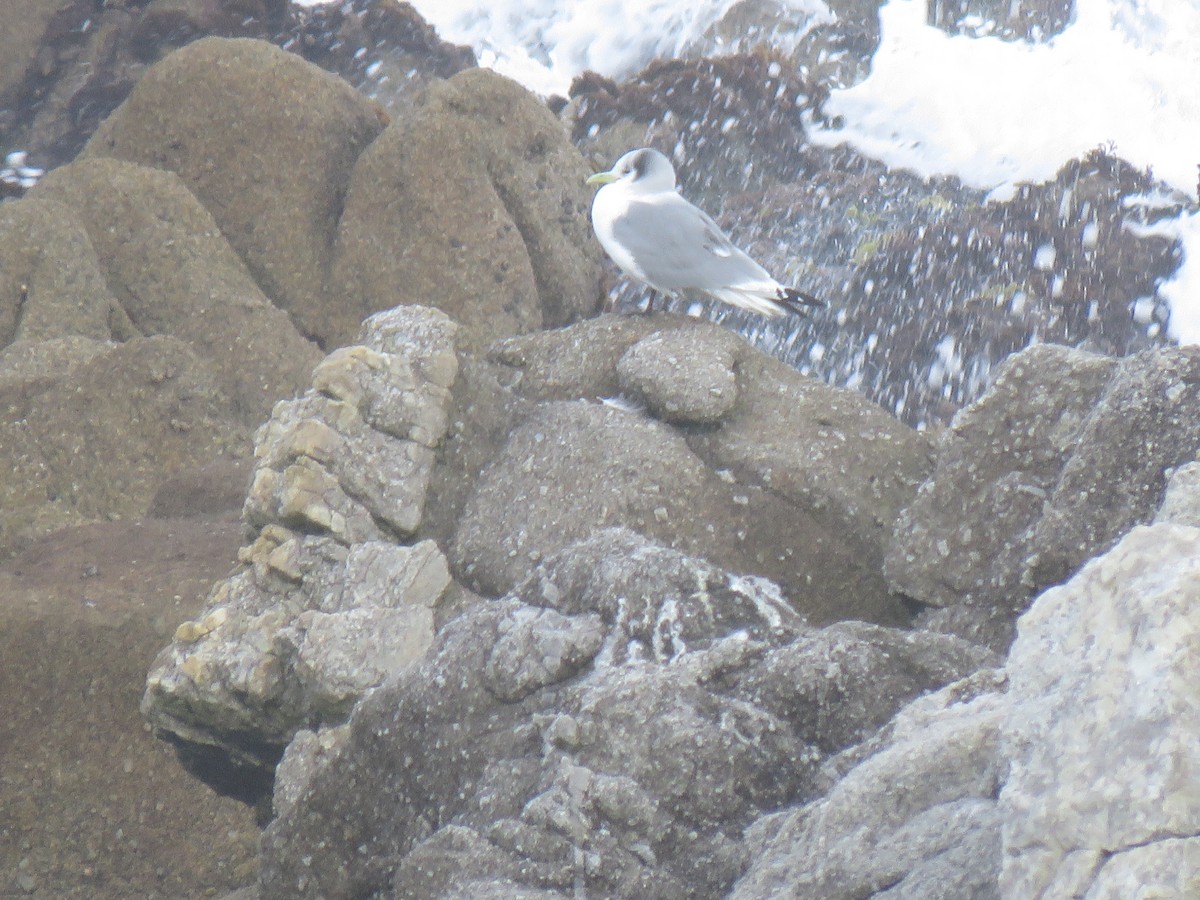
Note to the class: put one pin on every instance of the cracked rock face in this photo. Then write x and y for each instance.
(1070, 772)
(330, 603)
(614, 722)
(1065, 453)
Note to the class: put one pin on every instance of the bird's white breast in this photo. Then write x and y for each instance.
(610, 204)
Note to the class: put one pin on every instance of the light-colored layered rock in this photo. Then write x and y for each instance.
(329, 603)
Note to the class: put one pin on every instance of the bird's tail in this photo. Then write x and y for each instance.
(797, 302)
(768, 299)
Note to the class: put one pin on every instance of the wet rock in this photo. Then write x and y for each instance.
(917, 817)
(475, 204)
(969, 531)
(172, 273)
(1147, 422)
(1066, 453)
(929, 285)
(266, 142)
(612, 724)
(798, 482)
(51, 284)
(88, 429)
(734, 119)
(1027, 20)
(67, 65)
(327, 605)
(381, 47)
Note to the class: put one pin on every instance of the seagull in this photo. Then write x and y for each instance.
(657, 237)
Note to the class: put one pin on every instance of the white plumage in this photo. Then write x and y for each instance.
(657, 237)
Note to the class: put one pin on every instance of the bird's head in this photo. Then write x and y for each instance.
(644, 170)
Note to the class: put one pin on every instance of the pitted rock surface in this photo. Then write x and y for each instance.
(613, 723)
(683, 377)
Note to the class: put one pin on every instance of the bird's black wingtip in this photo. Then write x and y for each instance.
(798, 301)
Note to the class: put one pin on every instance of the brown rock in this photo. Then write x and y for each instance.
(475, 204)
(174, 274)
(51, 284)
(266, 142)
(95, 443)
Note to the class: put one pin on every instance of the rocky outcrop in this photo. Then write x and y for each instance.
(172, 273)
(762, 471)
(1010, 784)
(1063, 455)
(476, 204)
(89, 427)
(51, 283)
(328, 604)
(266, 142)
(613, 724)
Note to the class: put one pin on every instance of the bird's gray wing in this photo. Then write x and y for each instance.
(679, 247)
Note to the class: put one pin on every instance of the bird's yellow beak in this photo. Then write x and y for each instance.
(602, 178)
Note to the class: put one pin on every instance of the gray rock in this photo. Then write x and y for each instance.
(611, 726)
(1068, 773)
(1064, 454)
(1147, 422)
(918, 814)
(797, 482)
(266, 142)
(1102, 724)
(1181, 501)
(474, 203)
(684, 376)
(967, 533)
(294, 640)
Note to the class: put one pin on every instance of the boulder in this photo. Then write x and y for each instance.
(611, 726)
(967, 533)
(773, 474)
(51, 283)
(476, 204)
(1068, 773)
(89, 429)
(1101, 729)
(327, 603)
(1146, 424)
(173, 273)
(266, 142)
(1065, 453)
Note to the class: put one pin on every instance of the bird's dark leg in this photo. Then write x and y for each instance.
(650, 300)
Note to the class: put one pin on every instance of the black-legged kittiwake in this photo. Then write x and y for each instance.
(657, 237)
